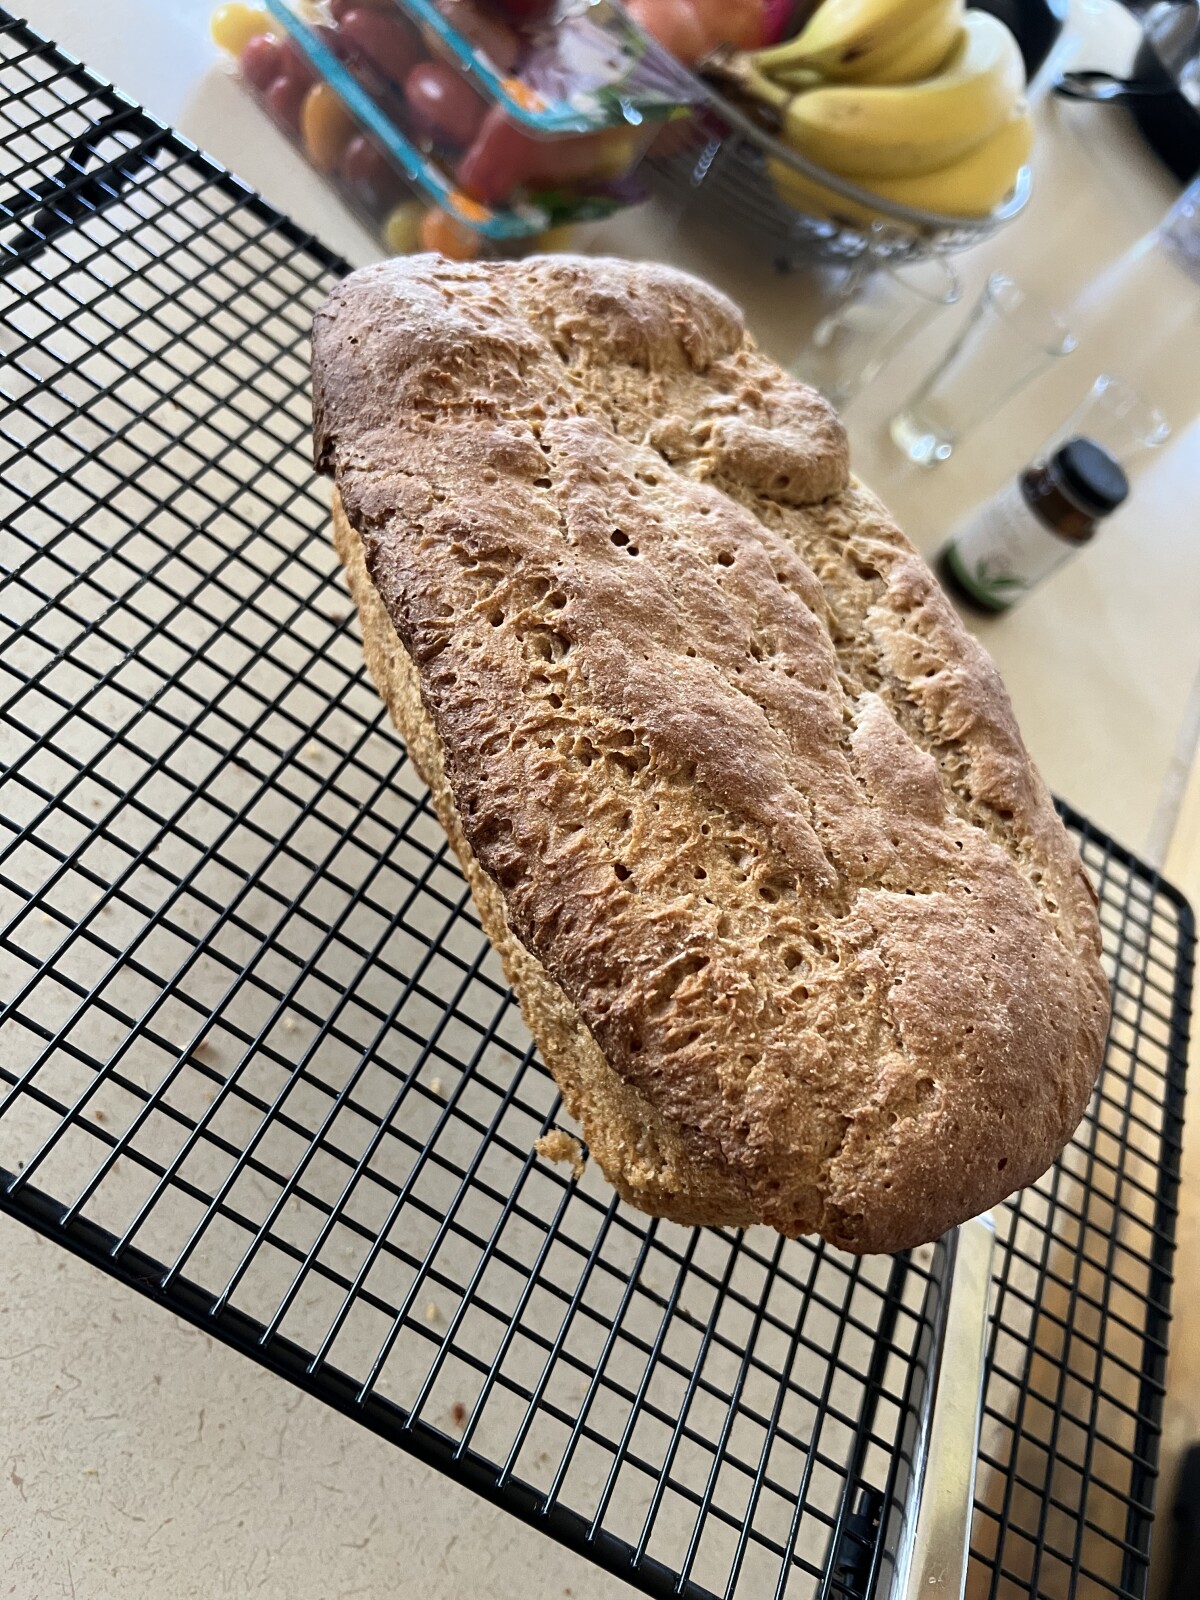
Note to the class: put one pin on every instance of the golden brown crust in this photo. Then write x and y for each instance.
(805, 940)
(562, 1148)
(643, 1159)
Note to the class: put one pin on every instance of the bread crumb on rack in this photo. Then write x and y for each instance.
(562, 1147)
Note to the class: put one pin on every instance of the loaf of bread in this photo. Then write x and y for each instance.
(744, 808)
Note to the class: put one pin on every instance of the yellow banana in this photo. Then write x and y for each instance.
(901, 130)
(970, 187)
(915, 50)
(797, 78)
(977, 182)
(919, 52)
(842, 32)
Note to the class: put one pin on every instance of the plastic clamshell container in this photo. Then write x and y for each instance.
(508, 162)
(594, 68)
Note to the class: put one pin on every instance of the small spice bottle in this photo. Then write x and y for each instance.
(1031, 527)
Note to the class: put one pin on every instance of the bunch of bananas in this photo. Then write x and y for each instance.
(915, 100)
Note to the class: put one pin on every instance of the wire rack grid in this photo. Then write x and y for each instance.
(258, 1061)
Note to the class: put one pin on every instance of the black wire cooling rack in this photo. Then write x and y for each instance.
(258, 1062)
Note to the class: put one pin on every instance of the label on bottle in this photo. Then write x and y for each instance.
(1004, 550)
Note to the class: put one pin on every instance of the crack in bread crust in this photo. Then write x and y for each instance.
(651, 1164)
(787, 906)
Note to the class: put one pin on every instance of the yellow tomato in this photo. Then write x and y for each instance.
(326, 125)
(555, 239)
(402, 230)
(447, 236)
(234, 26)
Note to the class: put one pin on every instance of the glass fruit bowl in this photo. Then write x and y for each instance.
(729, 163)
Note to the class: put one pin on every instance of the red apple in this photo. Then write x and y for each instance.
(675, 25)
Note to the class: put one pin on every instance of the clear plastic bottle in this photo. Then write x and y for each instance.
(1032, 526)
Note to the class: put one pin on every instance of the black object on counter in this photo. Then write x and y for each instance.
(1034, 24)
(1185, 1527)
(1169, 121)
(1156, 92)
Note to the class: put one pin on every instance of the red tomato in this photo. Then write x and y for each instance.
(261, 62)
(498, 161)
(294, 64)
(674, 137)
(488, 34)
(523, 12)
(384, 42)
(370, 177)
(285, 97)
(443, 104)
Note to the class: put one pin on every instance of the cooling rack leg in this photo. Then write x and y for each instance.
(933, 1563)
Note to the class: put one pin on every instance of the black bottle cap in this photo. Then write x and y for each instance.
(1095, 480)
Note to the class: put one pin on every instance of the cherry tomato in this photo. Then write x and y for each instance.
(448, 237)
(233, 26)
(261, 62)
(555, 240)
(443, 104)
(523, 12)
(295, 64)
(674, 137)
(377, 40)
(402, 230)
(326, 125)
(598, 156)
(285, 97)
(498, 161)
(370, 177)
(490, 35)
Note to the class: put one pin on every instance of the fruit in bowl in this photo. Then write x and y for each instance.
(694, 29)
(916, 101)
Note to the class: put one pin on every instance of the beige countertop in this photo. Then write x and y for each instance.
(137, 1456)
